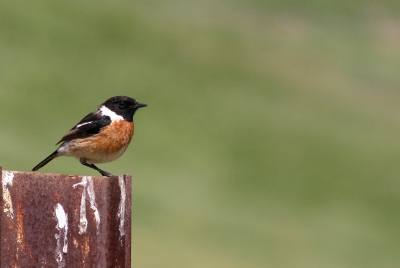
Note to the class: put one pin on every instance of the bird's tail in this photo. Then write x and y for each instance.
(47, 160)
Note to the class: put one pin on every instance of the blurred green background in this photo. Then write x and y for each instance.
(272, 133)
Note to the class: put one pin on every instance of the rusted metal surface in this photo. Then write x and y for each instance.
(52, 220)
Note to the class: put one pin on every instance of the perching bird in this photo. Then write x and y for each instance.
(100, 137)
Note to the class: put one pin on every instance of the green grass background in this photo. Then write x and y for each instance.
(272, 135)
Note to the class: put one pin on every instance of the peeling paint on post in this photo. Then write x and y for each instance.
(61, 237)
(51, 220)
(6, 181)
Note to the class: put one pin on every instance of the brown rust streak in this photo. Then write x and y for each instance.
(22, 244)
(85, 249)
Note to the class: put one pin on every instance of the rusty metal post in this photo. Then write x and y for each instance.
(52, 220)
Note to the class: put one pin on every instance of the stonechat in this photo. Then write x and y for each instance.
(100, 137)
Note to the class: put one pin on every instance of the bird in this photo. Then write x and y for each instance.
(101, 136)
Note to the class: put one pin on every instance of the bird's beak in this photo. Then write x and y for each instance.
(139, 105)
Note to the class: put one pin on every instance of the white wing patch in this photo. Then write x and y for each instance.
(107, 112)
(79, 125)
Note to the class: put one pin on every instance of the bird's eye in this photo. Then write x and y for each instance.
(122, 104)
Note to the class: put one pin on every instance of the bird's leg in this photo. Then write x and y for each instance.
(102, 172)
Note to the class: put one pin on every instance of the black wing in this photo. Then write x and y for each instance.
(90, 125)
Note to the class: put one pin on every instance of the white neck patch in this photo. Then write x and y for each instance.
(107, 112)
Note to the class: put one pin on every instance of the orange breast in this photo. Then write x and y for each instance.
(106, 146)
(113, 137)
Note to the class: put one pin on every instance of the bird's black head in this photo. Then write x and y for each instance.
(124, 106)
